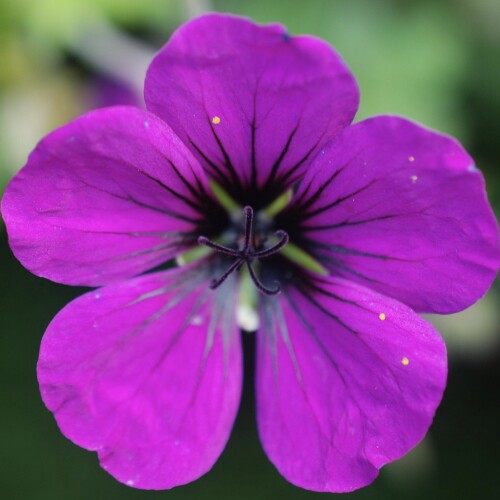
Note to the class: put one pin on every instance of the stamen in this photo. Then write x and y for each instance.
(246, 255)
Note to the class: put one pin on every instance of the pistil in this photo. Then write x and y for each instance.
(247, 254)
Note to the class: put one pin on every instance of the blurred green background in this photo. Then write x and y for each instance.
(437, 62)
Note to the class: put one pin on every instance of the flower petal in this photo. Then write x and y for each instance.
(105, 197)
(402, 210)
(148, 374)
(348, 380)
(252, 101)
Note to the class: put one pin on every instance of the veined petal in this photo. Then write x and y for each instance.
(403, 210)
(252, 101)
(347, 380)
(148, 374)
(105, 197)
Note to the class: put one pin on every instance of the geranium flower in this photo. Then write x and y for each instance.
(246, 166)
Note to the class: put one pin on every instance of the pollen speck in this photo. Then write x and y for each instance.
(411, 158)
(414, 178)
(381, 316)
(216, 120)
(405, 361)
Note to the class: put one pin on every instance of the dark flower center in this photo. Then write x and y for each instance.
(251, 249)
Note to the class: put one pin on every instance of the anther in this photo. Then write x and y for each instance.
(246, 255)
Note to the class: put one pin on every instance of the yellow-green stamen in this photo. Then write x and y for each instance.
(278, 204)
(224, 198)
(295, 254)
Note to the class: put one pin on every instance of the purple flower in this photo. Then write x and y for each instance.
(334, 233)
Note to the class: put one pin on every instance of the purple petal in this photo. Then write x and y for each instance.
(148, 374)
(348, 380)
(103, 91)
(252, 101)
(105, 197)
(402, 210)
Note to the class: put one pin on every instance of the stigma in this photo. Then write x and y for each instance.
(247, 254)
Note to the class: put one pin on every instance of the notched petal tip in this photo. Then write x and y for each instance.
(333, 406)
(141, 376)
(394, 206)
(103, 198)
(278, 131)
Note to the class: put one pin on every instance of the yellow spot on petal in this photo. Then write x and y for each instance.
(405, 361)
(414, 178)
(216, 120)
(411, 158)
(381, 316)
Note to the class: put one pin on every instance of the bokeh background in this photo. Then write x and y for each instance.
(436, 61)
